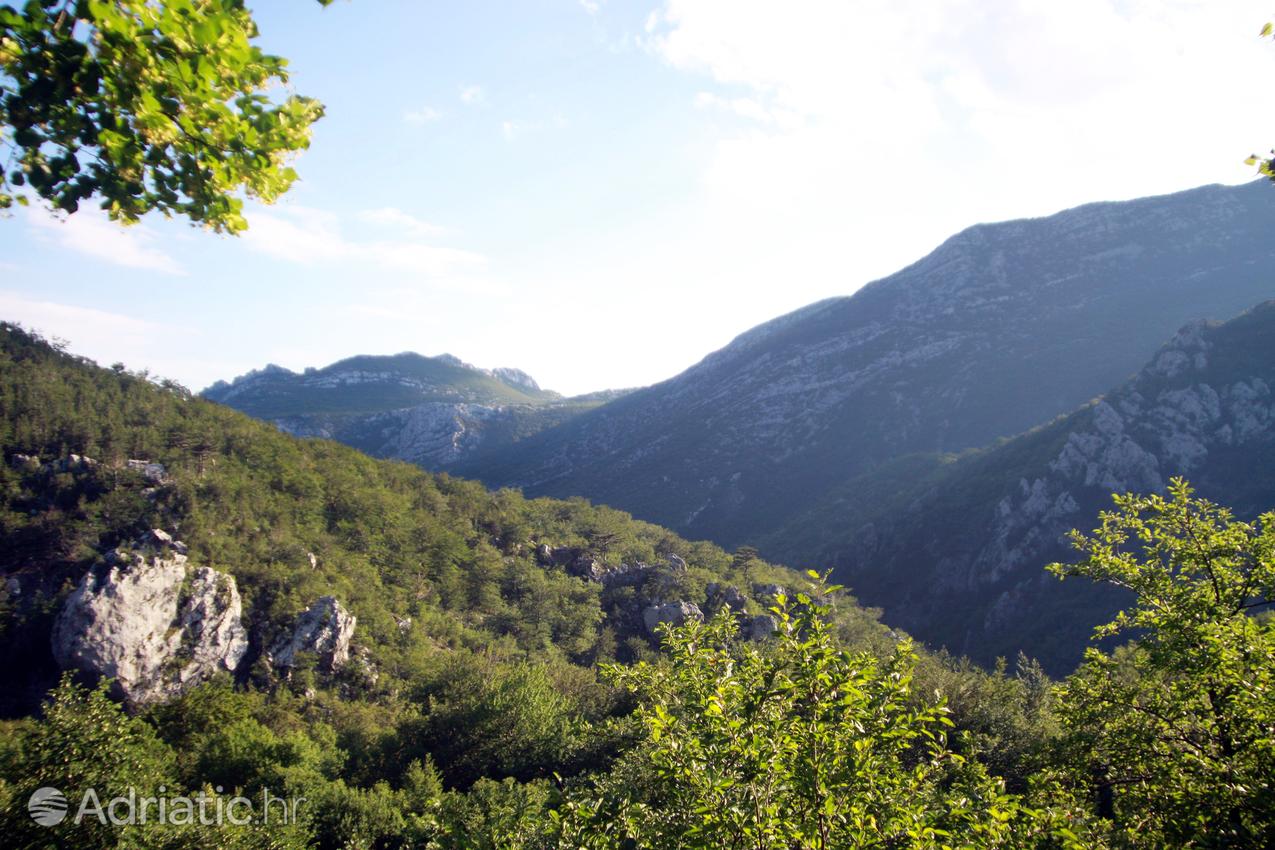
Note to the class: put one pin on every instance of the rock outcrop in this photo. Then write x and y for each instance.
(323, 630)
(151, 622)
(671, 613)
(636, 595)
(957, 556)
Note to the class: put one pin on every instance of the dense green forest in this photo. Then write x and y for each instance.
(497, 698)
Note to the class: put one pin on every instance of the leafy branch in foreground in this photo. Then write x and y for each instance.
(1175, 734)
(795, 744)
(1265, 165)
(148, 105)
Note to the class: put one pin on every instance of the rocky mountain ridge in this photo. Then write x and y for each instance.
(369, 382)
(431, 411)
(1002, 327)
(956, 555)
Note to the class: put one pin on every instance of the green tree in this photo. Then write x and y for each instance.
(1175, 734)
(148, 105)
(497, 721)
(85, 741)
(801, 744)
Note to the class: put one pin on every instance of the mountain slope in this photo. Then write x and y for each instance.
(1002, 327)
(953, 549)
(431, 411)
(419, 571)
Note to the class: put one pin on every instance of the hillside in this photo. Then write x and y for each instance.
(431, 411)
(953, 548)
(1001, 328)
(95, 459)
(413, 661)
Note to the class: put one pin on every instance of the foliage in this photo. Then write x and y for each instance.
(799, 745)
(481, 656)
(1176, 733)
(480, 721)
(86, 741)
(148, 105)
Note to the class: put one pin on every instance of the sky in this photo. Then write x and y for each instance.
(602, 192)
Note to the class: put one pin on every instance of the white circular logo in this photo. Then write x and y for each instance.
(47, 806)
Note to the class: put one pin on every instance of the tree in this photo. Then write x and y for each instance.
(1175, 734)
(85, 741)
(147, 105)
(796, 745)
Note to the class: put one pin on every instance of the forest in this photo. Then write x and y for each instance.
(499, 701)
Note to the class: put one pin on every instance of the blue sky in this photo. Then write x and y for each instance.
(603, 192)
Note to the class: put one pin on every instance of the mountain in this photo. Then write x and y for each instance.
(432, 411)
(953, 548)
(1002, 327)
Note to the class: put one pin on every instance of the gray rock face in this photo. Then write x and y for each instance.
(1135, 441)
(153, 472)
(324, 630)
(759, 627)
(151, 622)
(74, 463)
(673, 613)
(1203, 409)
(769, 592)
(727, 596)
(25, 463)
(515, 378)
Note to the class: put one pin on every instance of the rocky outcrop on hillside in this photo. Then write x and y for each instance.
(433, 435)
(323, 630)
(641, 598)
(959, 560)
(148, 620)
(669, 614)
(1166, 424)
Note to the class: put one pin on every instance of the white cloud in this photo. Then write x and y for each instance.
(874, 129)
(591, 6)
(512, 129)
(472, 95)
(422, 116)
(89, 232)
(105, 335)
(314, 237)
(746, 107)
(394, 217)
(67, 320)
